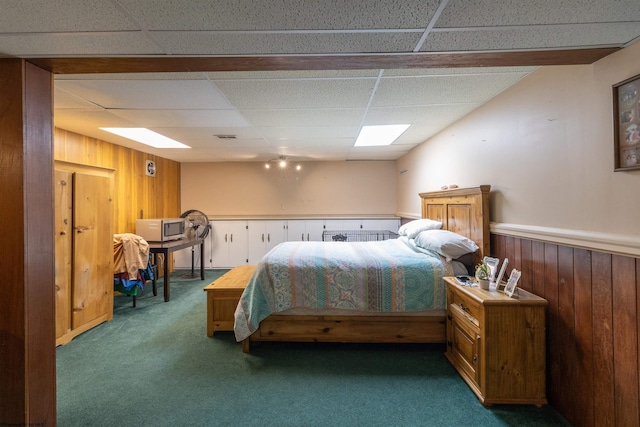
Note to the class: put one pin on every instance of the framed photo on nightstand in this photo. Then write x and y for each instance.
(510, 287)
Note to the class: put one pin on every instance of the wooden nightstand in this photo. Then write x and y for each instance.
(497, 343)
(223, 296)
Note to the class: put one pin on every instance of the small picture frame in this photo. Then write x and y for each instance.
(626, 124)
(493, 267)
(510, 287)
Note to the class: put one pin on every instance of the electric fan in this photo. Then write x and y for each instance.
(196, 227)
(196, 224)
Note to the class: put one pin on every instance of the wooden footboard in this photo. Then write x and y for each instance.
(364, 329)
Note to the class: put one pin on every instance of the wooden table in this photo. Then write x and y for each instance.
(165, 248)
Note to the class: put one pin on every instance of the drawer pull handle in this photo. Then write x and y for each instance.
(463, 308)
(475, 359)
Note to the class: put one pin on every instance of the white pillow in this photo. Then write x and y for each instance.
(412, 228)
(447, 243)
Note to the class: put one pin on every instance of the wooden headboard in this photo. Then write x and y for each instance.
(462, 210)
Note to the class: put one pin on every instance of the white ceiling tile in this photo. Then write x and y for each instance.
(314, 153)
(215, 43)
(437, 115)
(485, 13)
(374, 155)
(229, 155)
(532, 37)
(208, 134)
(320, 93)
(305, 118)
(77, 44)
(64, 100)
(317, 143)
(132, 76)
(44, 16)
(148, 94)
(418, 72)
(441, 89)
(183, 118)
(247, 138)
(287, 133)
(282, 75)
(281, 14)
(81, 120)
(186, 156)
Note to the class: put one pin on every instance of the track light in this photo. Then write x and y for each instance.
(282, 162)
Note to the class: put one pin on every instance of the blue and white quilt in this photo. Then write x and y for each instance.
(381, 276)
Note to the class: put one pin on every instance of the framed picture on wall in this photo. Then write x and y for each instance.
(626, 124)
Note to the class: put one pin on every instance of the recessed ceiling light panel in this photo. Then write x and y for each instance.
(371, 136)
(146, 136)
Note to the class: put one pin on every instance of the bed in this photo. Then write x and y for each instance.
(333, 291)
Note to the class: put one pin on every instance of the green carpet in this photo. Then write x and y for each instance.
(154, 365)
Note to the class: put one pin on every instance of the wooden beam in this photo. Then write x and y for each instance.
(27, 326)
(91, 65)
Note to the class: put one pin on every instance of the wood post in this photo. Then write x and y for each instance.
(27, 309)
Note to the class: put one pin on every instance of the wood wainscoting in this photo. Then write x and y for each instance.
(593, 320)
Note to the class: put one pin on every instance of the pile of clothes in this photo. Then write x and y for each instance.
(132, 266)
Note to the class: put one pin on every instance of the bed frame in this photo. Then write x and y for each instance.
(464, 211)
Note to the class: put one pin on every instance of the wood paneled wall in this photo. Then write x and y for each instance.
(136, 194)
(593, 320)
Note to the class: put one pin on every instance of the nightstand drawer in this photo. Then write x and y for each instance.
(470, 307)
(465, 344)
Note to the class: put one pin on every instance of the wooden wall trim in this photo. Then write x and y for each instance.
(605, 242)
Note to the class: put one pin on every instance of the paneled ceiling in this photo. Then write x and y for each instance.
(296, 78)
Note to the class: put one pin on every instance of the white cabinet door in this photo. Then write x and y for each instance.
(343, 224)
(386, 224)
(314, 228)
(276, 233)
(296, 230)
(390, 224)
(229, 244)
(263, 236)
(304, 230)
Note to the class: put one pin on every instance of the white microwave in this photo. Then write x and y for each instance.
(161, 229)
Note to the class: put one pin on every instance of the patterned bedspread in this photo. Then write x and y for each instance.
(383, 276)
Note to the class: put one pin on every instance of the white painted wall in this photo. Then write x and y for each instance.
(246, 189)
(545, 146)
